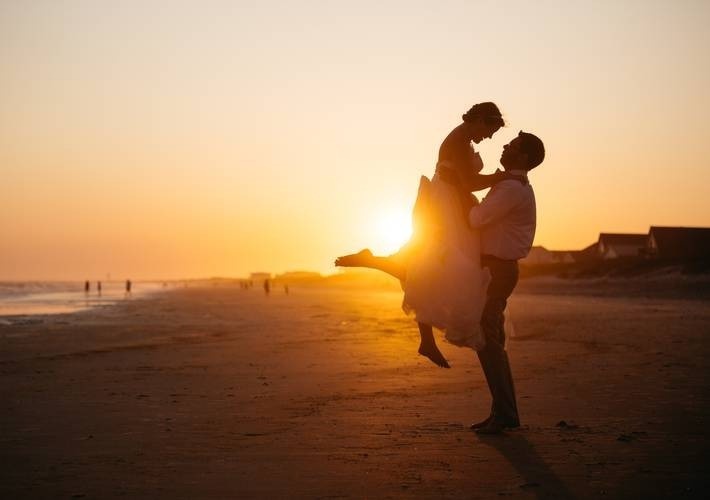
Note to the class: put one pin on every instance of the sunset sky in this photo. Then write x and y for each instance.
(164, 139)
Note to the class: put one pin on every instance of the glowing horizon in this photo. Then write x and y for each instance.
(161, 141)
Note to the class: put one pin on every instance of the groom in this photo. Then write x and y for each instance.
(506, 220)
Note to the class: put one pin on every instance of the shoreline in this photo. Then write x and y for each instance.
(54, 298)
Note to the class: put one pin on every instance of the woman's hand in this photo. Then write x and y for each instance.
(476, 162)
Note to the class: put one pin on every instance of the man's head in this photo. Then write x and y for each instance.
(525, 152)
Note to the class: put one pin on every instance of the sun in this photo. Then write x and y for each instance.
(393, 228)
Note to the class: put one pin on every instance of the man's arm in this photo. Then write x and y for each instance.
(499, 202)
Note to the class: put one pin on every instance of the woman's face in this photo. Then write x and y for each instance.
(479, 130)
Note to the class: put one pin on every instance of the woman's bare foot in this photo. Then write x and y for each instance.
(428, 348)
(433, 353)
(361, 259)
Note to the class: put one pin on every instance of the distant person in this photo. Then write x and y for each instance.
(286, 289)
(87, 287)
(128, 287)
(98, 287)
(267, 287)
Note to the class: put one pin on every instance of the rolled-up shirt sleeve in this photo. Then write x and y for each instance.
(500, 200)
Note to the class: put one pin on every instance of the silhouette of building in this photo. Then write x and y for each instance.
(615, 245)
(678, 243)
(563, 256)
(587, 254)
(538, 255)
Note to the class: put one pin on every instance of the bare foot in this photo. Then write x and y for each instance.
(433, 353)
(360, 259)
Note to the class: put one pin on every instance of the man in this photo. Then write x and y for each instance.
(506, 219)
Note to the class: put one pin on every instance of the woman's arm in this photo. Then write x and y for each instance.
(477, 182)
(456, 151)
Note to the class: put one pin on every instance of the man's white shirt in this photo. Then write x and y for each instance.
(506, 219)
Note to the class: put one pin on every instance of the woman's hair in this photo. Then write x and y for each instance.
(486, 111)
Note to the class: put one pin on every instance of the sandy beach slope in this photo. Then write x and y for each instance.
(218, 392)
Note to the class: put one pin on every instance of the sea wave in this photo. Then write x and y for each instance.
(53, 297)
(12, 289)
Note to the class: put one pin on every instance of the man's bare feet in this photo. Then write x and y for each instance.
(433, 353)
(361, 259)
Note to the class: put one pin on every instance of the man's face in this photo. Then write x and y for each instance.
(510, 158)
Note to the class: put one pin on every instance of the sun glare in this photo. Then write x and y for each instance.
(393, 229)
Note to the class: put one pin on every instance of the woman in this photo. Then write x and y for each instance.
(444, 285)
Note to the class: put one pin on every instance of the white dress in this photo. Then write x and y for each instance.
(445, 286)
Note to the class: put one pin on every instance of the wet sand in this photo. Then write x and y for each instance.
(219, 392)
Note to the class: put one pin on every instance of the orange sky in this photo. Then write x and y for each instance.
(149, 140)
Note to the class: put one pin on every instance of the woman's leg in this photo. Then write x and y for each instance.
(364, 258)
(393, 266)
(428, 346)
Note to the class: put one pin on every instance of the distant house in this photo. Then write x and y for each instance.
(678, 243)
(615, 245)
(562, 256)
(538, 255)
(587, 254)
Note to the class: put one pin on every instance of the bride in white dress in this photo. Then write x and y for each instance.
(445, 286)
(443, 282)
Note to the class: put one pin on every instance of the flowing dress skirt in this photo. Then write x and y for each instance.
(445, 286)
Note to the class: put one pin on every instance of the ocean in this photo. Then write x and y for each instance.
(21, 299)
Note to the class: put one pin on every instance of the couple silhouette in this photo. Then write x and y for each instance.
(461, 264)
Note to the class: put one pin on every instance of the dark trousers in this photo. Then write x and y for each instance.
(493, 357)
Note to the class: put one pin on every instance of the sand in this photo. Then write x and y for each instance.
(218, 392)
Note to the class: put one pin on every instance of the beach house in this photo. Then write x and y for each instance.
(616, 245)
(678, 243)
